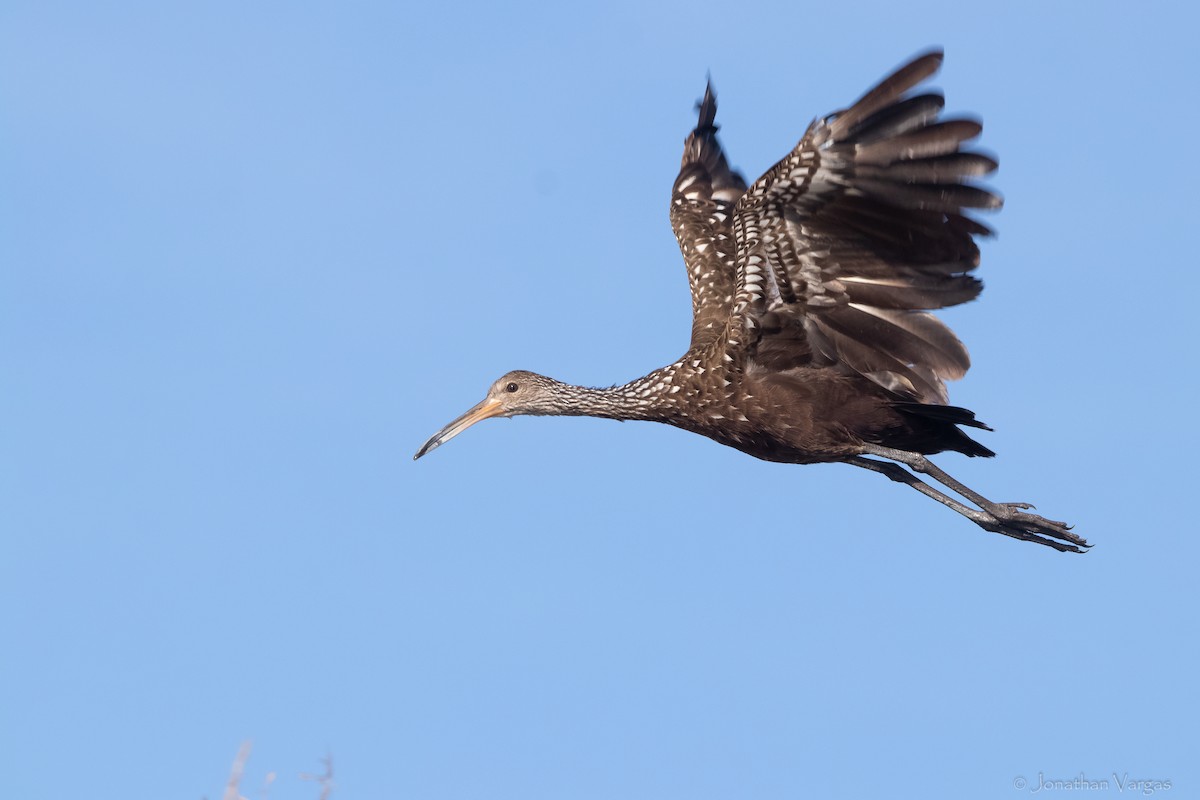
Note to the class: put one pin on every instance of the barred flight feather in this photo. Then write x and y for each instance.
(857, 234)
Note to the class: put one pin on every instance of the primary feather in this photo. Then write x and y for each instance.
(836, 255)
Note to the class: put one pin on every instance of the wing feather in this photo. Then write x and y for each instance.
(885, 93)
(702, 209)
(860, 231)
(931, 140)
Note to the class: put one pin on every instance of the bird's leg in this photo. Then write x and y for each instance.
(901, 475)
(921, 464)
(981, 518)
(1009, 519)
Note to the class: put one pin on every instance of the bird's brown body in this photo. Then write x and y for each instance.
(812, 290)
(816, 416)
(804, 416)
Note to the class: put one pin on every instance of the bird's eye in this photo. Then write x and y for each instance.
(511, 387)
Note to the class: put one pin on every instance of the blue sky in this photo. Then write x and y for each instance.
(252, 255)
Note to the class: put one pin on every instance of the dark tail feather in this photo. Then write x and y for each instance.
(954, 414)
(956, 439)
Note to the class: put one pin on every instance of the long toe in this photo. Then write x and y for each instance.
(1045, 527)
(1013, 513)
(1008, 520)
(1063, 543)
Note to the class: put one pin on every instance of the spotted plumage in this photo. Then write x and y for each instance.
(812, 291)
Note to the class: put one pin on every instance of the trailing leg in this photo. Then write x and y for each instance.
(1010, 519)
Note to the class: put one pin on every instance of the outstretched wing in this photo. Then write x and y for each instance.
(702, 204)
(845, 245)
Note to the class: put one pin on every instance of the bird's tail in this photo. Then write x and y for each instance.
(943, 432)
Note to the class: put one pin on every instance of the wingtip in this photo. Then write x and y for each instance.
(706, 109)
(925, 64)
(934, 56)
(889, 90)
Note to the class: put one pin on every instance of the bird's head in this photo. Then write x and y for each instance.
(517, 392)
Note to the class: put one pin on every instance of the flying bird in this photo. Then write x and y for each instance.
(812, 338)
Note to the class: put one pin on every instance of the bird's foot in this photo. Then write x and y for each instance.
(1011, 519)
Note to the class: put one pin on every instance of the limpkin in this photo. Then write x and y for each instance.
(812, 338)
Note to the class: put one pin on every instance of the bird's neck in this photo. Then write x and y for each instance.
(637, 400)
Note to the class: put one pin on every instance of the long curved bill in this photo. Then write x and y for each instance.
(481, 411)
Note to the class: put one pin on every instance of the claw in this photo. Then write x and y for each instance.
(1010, 520)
